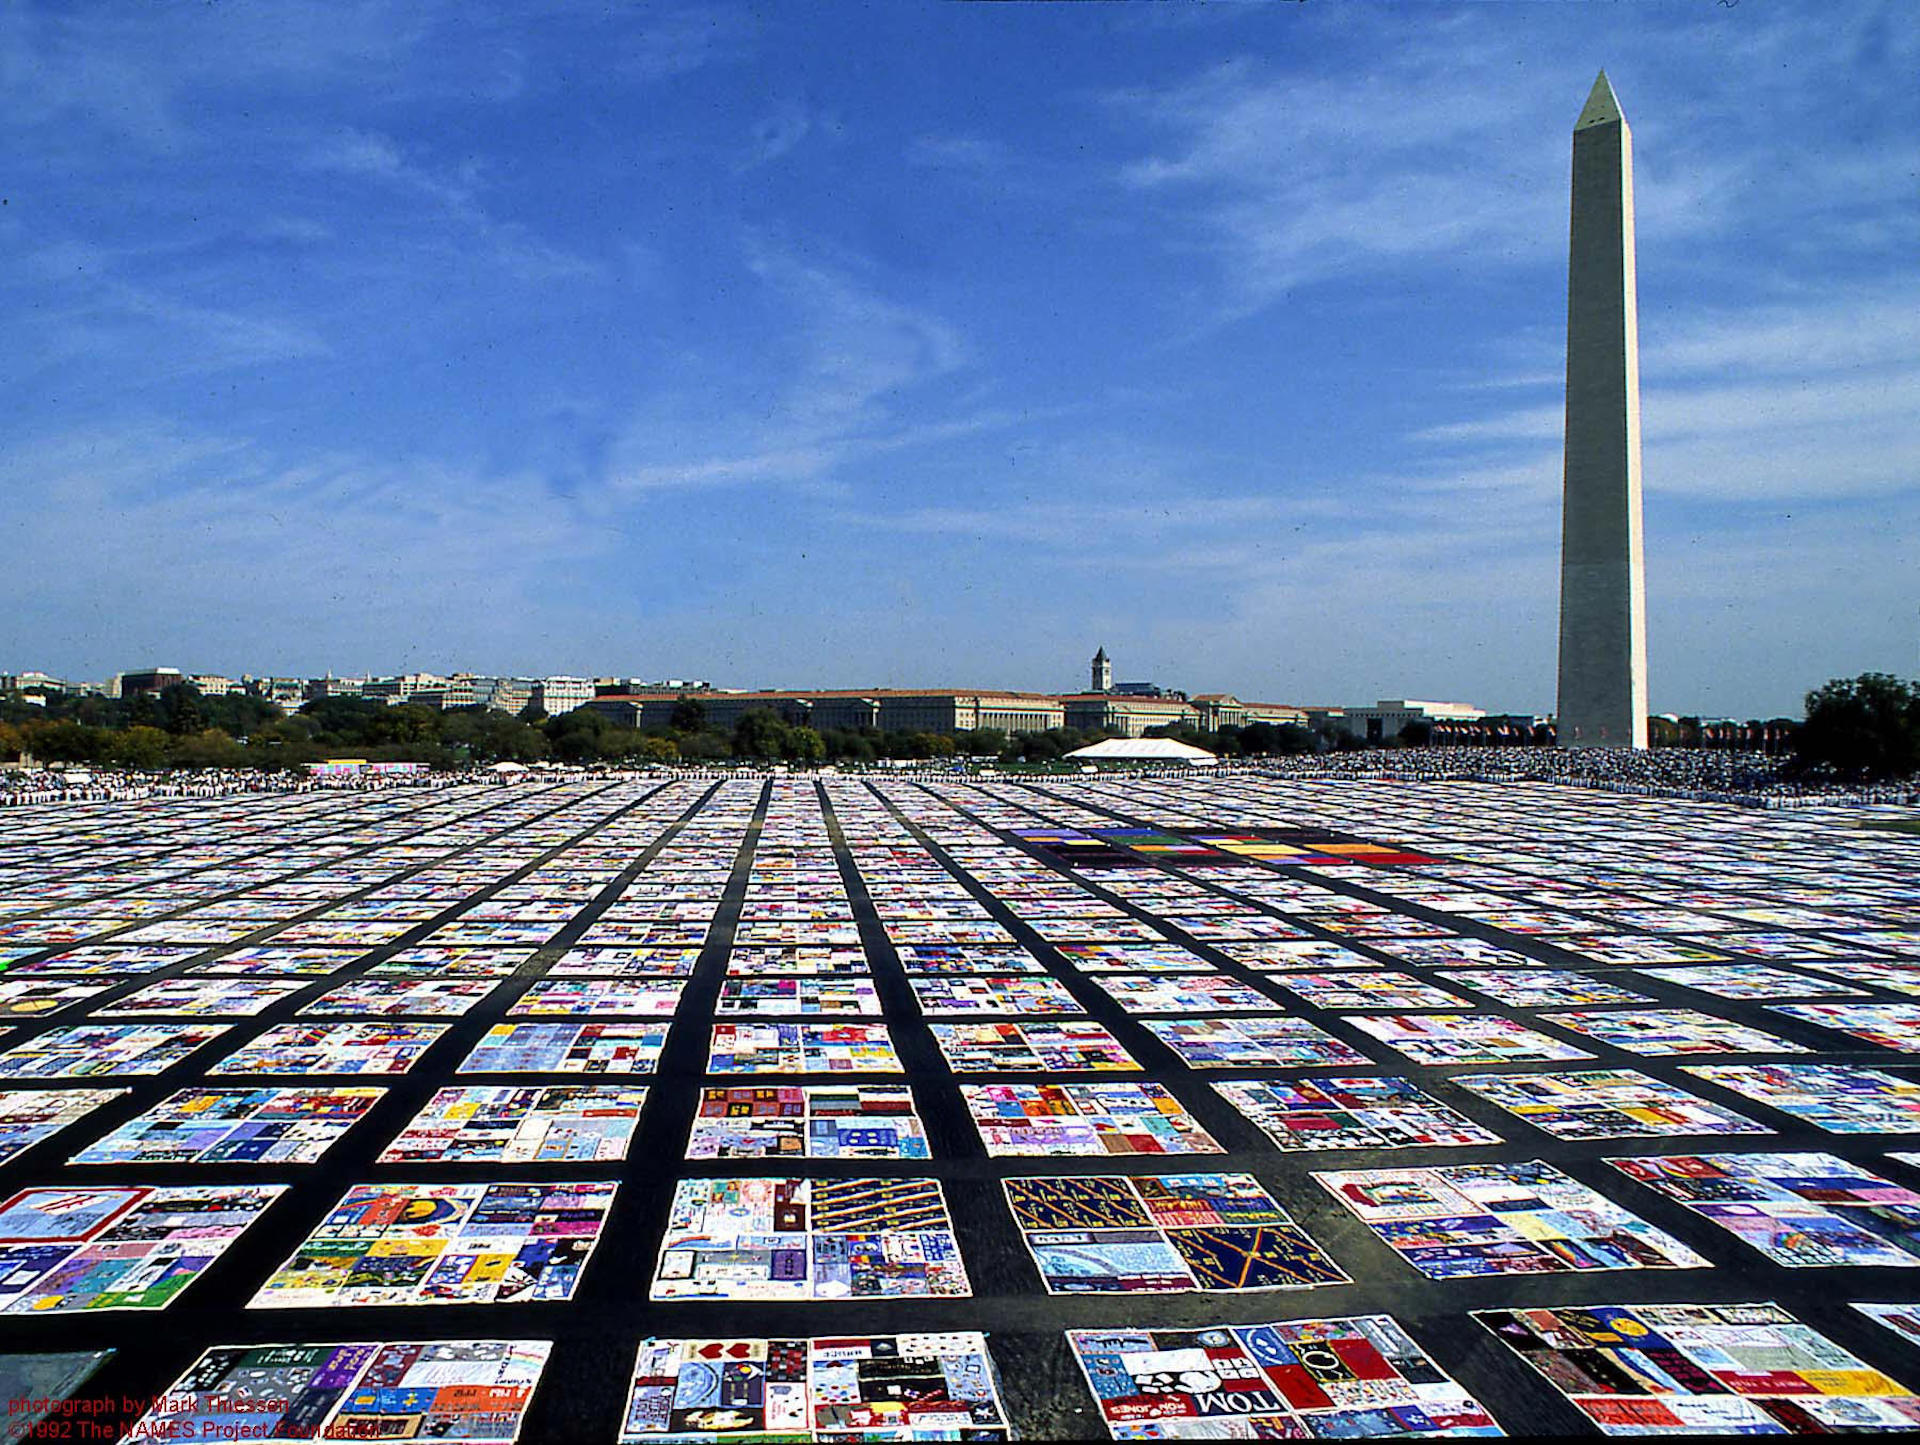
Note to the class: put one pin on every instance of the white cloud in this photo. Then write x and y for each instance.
(213, 548)
(849, 368)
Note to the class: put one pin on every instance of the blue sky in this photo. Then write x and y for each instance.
(927, 345)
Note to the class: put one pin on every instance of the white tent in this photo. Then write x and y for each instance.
(1144, 750)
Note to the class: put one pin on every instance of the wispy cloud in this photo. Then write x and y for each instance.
(372, 156)
(855, 371)
(97, 327)
(1813, 398)
(391, 554)
(1295, 178)
(1292, 178)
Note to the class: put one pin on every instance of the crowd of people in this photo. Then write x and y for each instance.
(1704, 775)
(1750, 779)
(117, 785)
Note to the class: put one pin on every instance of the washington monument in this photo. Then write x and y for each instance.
(1603, 591)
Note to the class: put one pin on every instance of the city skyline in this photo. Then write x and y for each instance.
(927, 346)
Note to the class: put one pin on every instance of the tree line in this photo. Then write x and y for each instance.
(1864, 728)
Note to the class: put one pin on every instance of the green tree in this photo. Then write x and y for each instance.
(1863, 727)
(656, 749)
(804, 745)
(759, 734)
(65, 741)
(849, 745)
(576, 737)
(208, 748)
(1417, 734)
(239, 713)
(410, 722)
(95, 711)
(12, 740)
(689, 715)
(1260, 737)
(180, 709)
(984, 742)
(703, 747)
(492, 736)
(923, 745)
(347, 720)
(140, 747)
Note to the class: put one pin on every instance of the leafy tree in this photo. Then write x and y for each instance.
(851, 745)
(63, 741)
(1864, 727)
(759, 734)
(575, 737)
(180, 709)
(208, 748)
(96, 711)
(1260, 738)
(1416, 734)
(656, 749)
(982, 742)
(1295, 738)
(12, 740)
(492, 736)
(140, 747)
(407, 723)
(239, 713)
(703, 746)
(689, 715)
(804, 745)
(343, 718)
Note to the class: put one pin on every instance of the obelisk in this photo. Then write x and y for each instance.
(1603, 593)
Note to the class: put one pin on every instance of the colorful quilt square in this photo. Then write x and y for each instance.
(809, 1239)
(802, 1049)
(1462, 1221)
(1371, 1112)
(1605, 1104)
(345, 1048)
(76, 1248)
(567, 1048)
(1064, 1046)
(594, 997)
(1799, 1210)
(93, 1051)
(439, 1244)
(1840, 1098)
(826, 1121)
(1287, 1043)
(1672, 1031)
(1292, 1379)
(1369, 989)
(1462, 1038)
(1161, 1233)
(460, 1391)
(799, 996)
(883, 1387)
(1702, 1370)
(235, 1126)
(1083, 1120)
(524, 1124)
